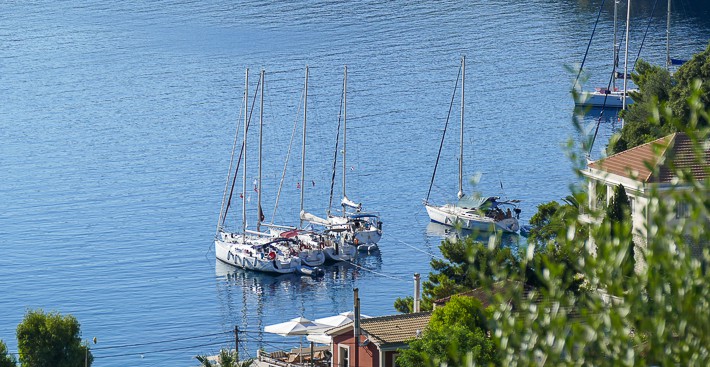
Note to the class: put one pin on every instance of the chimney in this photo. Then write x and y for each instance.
(416, 292)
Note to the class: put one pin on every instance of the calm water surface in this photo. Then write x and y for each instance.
(117, 121)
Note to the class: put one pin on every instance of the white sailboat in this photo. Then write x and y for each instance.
(611, 97)
(472, 213)
(353, 227)
(314, 248)
(248, 249)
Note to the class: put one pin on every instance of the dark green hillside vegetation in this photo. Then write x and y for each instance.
(661, 94)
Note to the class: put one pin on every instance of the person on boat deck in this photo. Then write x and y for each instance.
(508, 214)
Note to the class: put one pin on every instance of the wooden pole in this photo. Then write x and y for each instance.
(236, 342)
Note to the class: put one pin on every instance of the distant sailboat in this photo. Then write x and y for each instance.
(353, 226)
(248, 249)
(611, 97)
(315, 247)
(472, 213)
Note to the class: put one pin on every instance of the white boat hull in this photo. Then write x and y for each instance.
(597, 99)
(452, 216)
(237, 253)
(345, 252)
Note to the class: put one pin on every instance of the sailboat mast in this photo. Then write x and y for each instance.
(345, 128)
(244, 155)
(668, 37)
(626, 54)
(616, 47)
(463, 83)
(261, 129)
(303, 148)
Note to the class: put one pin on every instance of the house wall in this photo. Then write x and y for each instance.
(368, 355)
(643, 209)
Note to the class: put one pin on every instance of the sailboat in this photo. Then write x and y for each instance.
(604, 96)
(353, 227)
(249, 249)
(315, 248)
(472, 213)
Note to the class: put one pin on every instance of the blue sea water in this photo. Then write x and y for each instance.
(117, 121)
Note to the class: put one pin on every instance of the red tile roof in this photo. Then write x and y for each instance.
(657, 161)
(396, 328)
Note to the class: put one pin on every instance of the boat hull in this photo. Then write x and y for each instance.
(451, 216)
(344, 253)
(597, 99)
(238, 254)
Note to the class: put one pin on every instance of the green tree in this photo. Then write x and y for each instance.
(51, 340)
(659, 91)
(549, 221)
(694, 74)
(6, 359)
(465, 266)
(545, 224)
(460, 325)
(654, 84)
(618, 216)
(657, 317)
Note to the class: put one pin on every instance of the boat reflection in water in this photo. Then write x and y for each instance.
(251, 300)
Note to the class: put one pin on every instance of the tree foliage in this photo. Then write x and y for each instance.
(549, 221)
(618, 216)
(460, 325)
(6, 359)
(659, 90)
(693, 75)
(469, 264)
(465, 266)
(656, 317)
(51, 340)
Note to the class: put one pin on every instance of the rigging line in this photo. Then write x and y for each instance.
(335, 155)
(377, 273)
(222, 215)
(441, 145)
(160, 342)
(601, 113)
(589, 44)
(648, 25)
(211, 343)
(241, 152)
(288, 155)
(420, 250)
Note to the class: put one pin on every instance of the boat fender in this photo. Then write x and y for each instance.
(272, 255)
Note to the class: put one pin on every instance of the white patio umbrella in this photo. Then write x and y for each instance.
(297, 326)
(339, 319)
(317, 334)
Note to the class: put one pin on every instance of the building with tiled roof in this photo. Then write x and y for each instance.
(658, 166)
(380, 338)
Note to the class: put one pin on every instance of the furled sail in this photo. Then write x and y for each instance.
(347, 202)
(308, 217)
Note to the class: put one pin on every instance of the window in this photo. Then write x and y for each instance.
(343, 356)
(681, 210)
